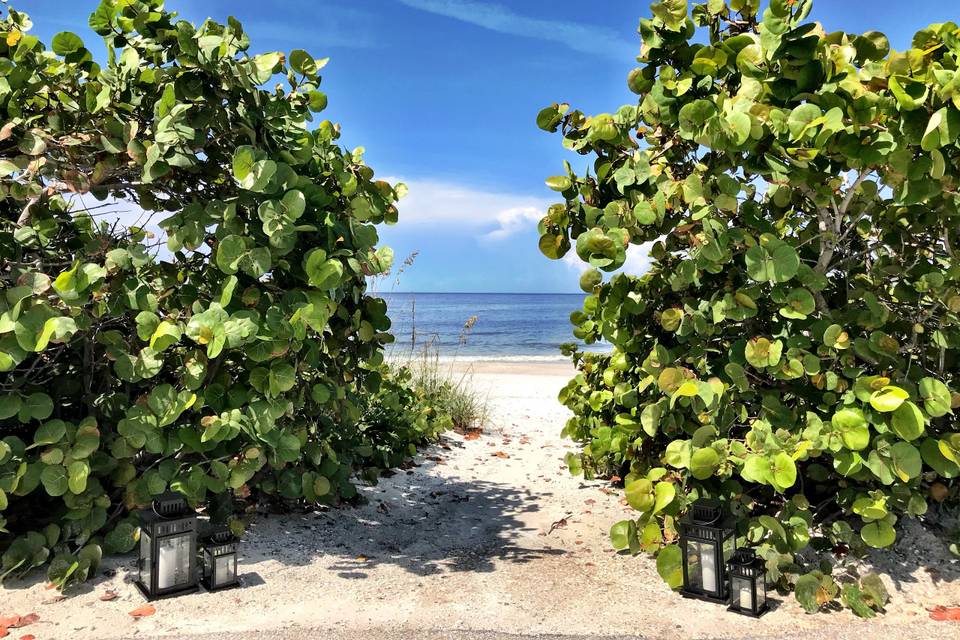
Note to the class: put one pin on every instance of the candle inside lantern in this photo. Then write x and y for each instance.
(173, 558)
(746, 599)
(708, 567)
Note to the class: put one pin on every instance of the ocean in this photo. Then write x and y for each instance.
(507, 326)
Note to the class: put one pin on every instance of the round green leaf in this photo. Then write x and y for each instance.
(65, 43)
(669, 566)
(704, 462)
(907, 421)
(888, 398)
(878, 534)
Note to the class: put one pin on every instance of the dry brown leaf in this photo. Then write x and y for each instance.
(945, 614)
(54, 600)
(28, 636)
(144, 611)
(559, 524)
(15, 621)
(109, 595)
(7, 130)
(501, 454)
(3, 632)
(471, 435)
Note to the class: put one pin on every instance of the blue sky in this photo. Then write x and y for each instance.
(443, 95)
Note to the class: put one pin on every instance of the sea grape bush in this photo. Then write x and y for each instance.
(794, 347)
(244, 359)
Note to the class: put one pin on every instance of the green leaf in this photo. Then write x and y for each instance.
(888, 398)
(55, 480)
(853, 428)
(559, 183)
(77, 473)
(665, 492)
(50, 432)
(622, 534)
(936, 397)
(303, 62)
(907, 421)
(65, 43)
(322, 273)
(669, 566)
(317, 101)
(640, 495)
(878, 534)
(36, 406)
(282, 378)
(784, 473)
(230, 251)
(906, 461)
(704, 462)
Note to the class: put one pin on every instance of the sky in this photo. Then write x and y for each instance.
(443, 95)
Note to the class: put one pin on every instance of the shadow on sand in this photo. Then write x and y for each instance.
(429, 526)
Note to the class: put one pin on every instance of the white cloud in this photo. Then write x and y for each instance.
(577, 36)
(637, 263)
(493, 215)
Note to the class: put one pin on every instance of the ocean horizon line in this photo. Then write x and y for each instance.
(481, 293)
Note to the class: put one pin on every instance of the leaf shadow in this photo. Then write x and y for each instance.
(425, 524)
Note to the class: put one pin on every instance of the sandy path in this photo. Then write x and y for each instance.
(487, 538)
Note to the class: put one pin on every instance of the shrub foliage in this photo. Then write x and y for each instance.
(794, 346)
(238, 352)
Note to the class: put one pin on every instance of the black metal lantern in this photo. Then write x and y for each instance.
(168, 548)
(707, 541)
(748, 583)
(220, 560)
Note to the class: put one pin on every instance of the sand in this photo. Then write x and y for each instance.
(483, 539)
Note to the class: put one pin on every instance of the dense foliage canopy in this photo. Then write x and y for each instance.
(794, 347)
(235, 351)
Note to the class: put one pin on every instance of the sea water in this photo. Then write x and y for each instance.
(485, 326)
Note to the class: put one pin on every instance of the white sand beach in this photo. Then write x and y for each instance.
(483, 538)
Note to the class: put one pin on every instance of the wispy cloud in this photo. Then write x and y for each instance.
(638, 260)
(490, 214)
(581, 37)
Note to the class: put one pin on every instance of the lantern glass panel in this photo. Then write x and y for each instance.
(146, 557)
(729, 547)
(761, 593)
(702, 566)
(173, 568)
(710, 562)
(741, 593)
(694, 571)
(226, 569)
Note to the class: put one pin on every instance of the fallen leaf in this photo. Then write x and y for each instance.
(54, 600)
(3, 632)
(362, 558)
(589, 501)
(501, 454)
(28, 636)
(30, 618)
(471, 435)
(559, 524)
(109, 595)
(144, 611)
(945, 614)
(9, 622)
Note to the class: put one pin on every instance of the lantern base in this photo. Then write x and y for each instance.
(209, 587)
(193, 588)
(748, 612)
(702, 596)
